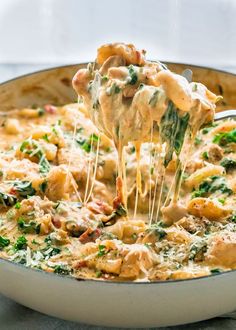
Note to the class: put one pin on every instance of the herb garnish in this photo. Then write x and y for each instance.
(4, 242)
(7, 199)
(133, 78)
(21, 243)
(224, 138)
(30, 227)
(24, 188)
(228, 164)
(211, 185)
(33, 149)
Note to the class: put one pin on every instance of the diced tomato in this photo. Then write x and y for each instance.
(81, 264)
(90, 235)
(13, 191)
(50, 109)
(99, 207)
(56, 222)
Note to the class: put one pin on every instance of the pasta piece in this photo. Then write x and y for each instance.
(61, 184)
(222, 250)
(201, 174)
(205, 207)
(12, 126)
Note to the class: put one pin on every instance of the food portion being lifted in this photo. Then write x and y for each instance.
(131, 99)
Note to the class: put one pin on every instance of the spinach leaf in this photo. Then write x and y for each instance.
(211, 185)
(7, 199)
(28, 227)
(224, 138)
(172, 131)
(21, 243)
(33, 149)
(24, 188)
(4, 242)
(228, 164)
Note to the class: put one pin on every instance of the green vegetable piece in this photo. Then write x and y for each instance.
(215, 271)
(33, 149)
(30, 227)
(211, 185)
(102, 250)
(18, 205)
(205, 155)
(21, 243)
(24, 188)
(224, 138)
(43, 186)
(121, 210)
(7, 199)
(133, 75)
(228, 164)
(172, 131)
(41, 112)
(4, 242)
(197, 141)
(62, 270)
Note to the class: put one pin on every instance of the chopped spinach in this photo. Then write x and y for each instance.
(62, 270)
(101, 250)
(114, 89)
(172, 131)
(197, 141)
(24, 188)
(43, 186)
(228, 164)
(233, 218)
(41, 112)
(224, 138)
(21, 243)
(211, 185)
(197, 249)
(158, 231)
(121, 210)
(86, 144)
(215, 271)
(18, 205)
(7, 199)
(4, 242)
(133, 77)
(205, 155)
(28, 227)
(33, 149)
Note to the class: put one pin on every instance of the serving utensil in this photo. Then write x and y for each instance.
(225, 114)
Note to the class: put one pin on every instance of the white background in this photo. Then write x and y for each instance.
(45, 32)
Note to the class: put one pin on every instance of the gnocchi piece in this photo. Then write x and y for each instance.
(52, 135)
(12, 126)
(29, 113)
(125, 229)
(61, 184)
